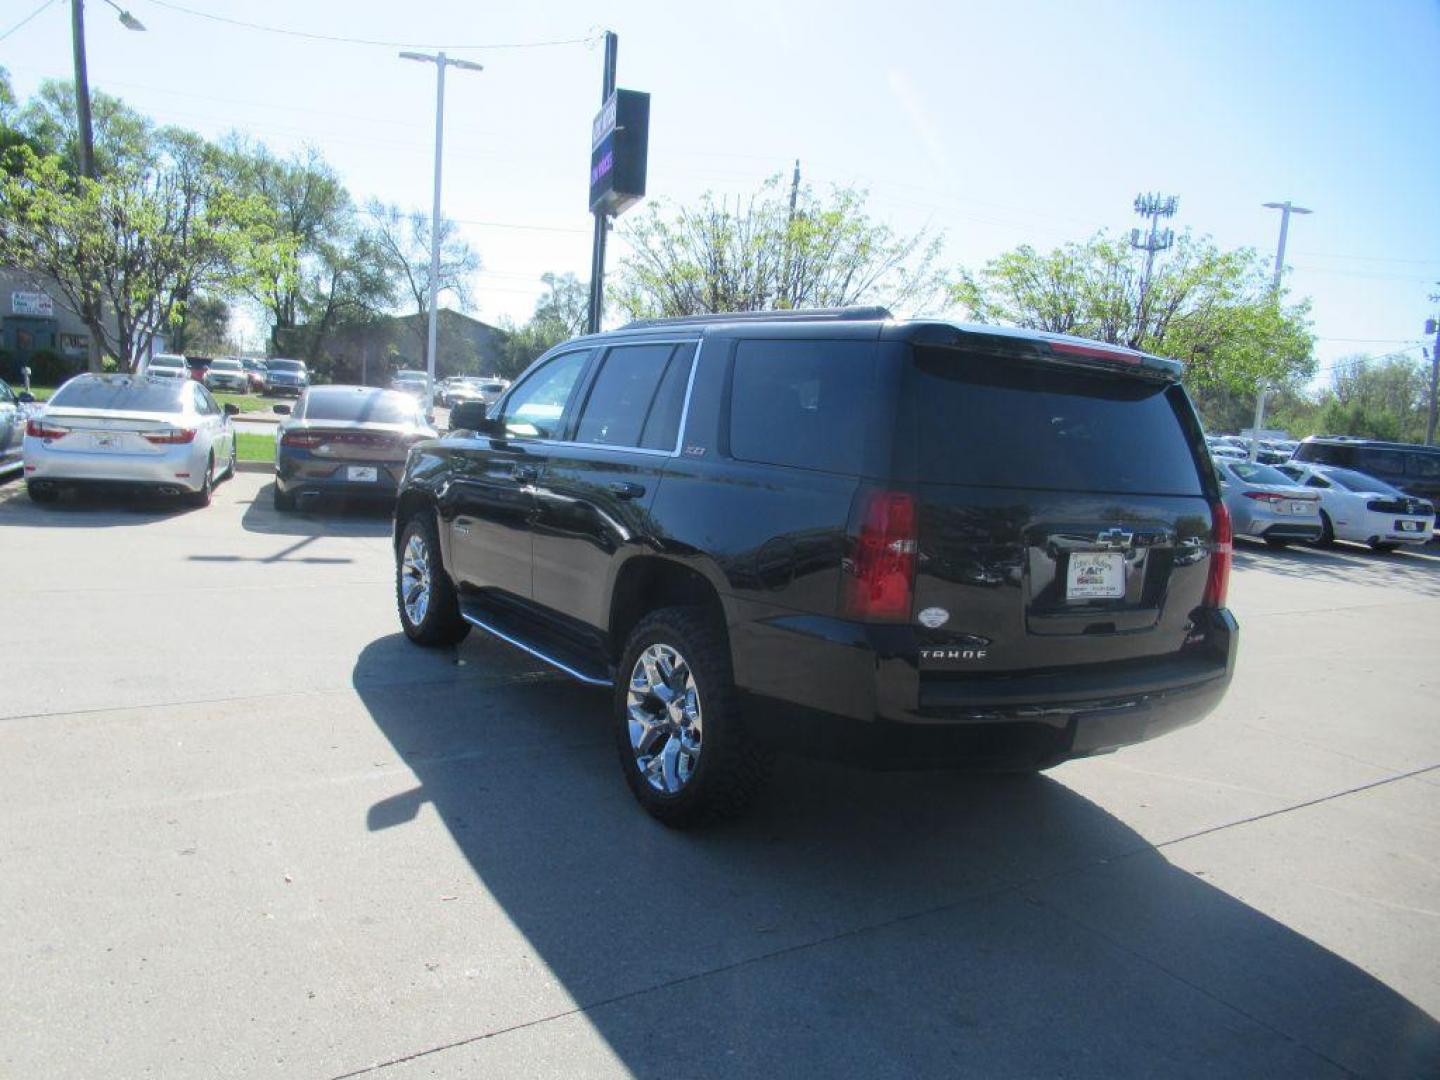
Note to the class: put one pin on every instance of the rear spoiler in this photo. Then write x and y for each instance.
(1033, 345)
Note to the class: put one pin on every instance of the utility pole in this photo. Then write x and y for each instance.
(441, 62)
(1153, 206)
(90, 301)
(1286, 209)
(602, 219)
(794, 188)
(1432, 326)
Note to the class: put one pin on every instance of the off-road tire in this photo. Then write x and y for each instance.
(441, 623)
(731, 769)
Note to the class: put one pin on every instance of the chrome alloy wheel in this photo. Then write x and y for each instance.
(664, 719)
(415, 579)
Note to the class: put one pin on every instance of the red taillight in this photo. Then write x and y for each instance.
(1222, 551)
(39, 429)
(1095, 352)
(170, 436)
(1265, 497)
(301, 440)
(881, 572)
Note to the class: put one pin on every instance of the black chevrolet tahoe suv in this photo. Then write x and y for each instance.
(904, 544)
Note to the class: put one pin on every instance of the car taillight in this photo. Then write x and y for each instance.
(301, 440)
(1222, 551)
(1268, 497)
(170, 436)
(881, 570)
(39, 429)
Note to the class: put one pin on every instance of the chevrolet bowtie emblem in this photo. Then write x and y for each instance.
(1117, 538)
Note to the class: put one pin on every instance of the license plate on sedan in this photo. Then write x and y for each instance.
(1095, 576)
(1301, 508)
(1408, 526)
(368, 473)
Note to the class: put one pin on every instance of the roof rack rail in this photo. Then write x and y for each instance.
(847, 314)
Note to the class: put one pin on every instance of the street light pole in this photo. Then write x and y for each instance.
(441, 62)
(86, 130)
(1286, 209)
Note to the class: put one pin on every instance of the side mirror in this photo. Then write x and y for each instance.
(472, 416)
(231, 409)
(25, 397)
(283, 410)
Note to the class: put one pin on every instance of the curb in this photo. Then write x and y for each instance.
(255, 418)
(255, 466)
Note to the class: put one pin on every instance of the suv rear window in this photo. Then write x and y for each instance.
(1006, 423)
(802, 403)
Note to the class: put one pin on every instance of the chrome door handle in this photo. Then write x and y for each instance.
(624, 490)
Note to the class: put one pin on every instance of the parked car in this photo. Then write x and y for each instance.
(346, 440)
(166, 366)
(1267, 504)
(491, 389)
(227, 373)
(12, 429)
(901, 543)
(411, 385)
(284, 376)
(1228, 452)
(255, 373)
(471, 389)
(1409, 467)
(156, 433)
(1357, 507)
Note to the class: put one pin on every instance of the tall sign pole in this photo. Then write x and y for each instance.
(602, 217)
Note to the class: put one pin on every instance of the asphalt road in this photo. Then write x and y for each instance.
(247, 830)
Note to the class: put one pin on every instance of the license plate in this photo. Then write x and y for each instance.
(362, 472)
(1095, 576)
(106, 442)
(1408, 526)
(1299, 508)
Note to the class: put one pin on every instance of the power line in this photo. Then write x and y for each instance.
(338, 40)
(26, 19)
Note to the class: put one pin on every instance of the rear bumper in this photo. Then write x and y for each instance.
(1271, 526)
(1028, 723)
(153, 471)
(304, 476)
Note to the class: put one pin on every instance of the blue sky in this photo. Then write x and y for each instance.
(998, 123)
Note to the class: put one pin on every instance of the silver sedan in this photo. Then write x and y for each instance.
(136, 432)
(1267, 504)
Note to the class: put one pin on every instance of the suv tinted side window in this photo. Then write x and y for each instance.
(802, 403)
(1381, 462)
(536, 407)
(622, 395)
(1425, 465)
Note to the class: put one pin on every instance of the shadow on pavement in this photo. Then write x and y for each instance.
(854, 924)
(92, 508)
(319, 517)
(1415, 569)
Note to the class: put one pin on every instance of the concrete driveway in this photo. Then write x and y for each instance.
(247, 830)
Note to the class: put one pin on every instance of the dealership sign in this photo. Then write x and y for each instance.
(619, 143)
(32, 303)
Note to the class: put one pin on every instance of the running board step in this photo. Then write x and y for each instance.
(516, 631)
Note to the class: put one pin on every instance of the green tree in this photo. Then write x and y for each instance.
(1377, 398)
(1212, 309)
(560, 314)
(402, 244)
(144, 241)
(313, 222)
(758, 254)
(124, 139)
(202, 326)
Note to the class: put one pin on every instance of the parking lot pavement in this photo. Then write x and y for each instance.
(247, 830)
